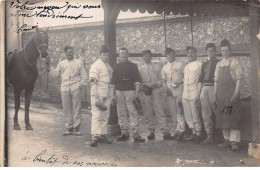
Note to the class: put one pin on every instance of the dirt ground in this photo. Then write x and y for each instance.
(45, 146)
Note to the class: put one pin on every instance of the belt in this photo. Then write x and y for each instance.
(208, 84)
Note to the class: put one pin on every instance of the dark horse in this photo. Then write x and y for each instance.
(22, 72)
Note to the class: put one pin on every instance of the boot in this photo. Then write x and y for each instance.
(208, 140)
(106, 140)
(180, 136)
(198, 139)
(138, 139)
(168, 136)
(191, 138)
(226, 144)
(68, 132)
(235, 146)
(94, 143)
(151, 136)
(123, 137)
(77, 132)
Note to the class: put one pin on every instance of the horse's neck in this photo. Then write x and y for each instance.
(31, 52)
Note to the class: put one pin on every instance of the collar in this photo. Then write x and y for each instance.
(70, 60)
(229, 59)
(193, 61)
(215, 58)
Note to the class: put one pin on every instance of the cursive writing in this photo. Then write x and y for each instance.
(54, 159)
(227, 110)
(50, 11)
(49, 160)
(25, 28)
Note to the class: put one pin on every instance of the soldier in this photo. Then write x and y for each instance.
(100, 74)
(228, 75)
(73, 77)
(190, 97)
(152, 96)
(172, 76)
(125, 85)
(207, 92)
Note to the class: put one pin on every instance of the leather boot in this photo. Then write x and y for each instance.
(168, 136)
(94, 143)
(180, 136)
(151, 136)
(138, 139)
(235, 146)
(226, 144)
(123, 137)
(209, 140)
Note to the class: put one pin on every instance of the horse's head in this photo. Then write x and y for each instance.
(41, 40)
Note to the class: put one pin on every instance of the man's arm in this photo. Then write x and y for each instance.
(56, 72)
(236, 67)
(199, 84)
(235, 95)
(137, 81)
(201, 78)
(164, 79)
(93, 78)
(83, 75)
(216, 85)
(113, 84)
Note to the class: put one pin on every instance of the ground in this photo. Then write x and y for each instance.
(45, 146)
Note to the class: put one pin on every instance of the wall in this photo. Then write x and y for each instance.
(148, 33)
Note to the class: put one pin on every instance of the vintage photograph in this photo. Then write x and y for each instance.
(130, 83)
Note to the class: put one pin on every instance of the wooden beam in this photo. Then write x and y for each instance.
(111, 12)
(255, 53)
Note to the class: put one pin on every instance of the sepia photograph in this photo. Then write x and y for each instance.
(130, 83)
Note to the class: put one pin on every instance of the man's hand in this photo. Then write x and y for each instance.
(215, 103)
(136, 95)
(147, 90)
(197, 100)
(177, 84)
(167, 91)
(113, 101)
(113, 97)
(234, 99)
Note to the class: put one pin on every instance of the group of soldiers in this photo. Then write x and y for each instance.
(197, 94)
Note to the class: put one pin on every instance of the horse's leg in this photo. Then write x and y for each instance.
(17, 93)
(28, 94)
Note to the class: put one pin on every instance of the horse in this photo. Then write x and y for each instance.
(22, 72)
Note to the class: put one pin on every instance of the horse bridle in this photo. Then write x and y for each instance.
(34, 65)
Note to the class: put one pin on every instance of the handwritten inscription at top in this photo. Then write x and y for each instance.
(50, 11)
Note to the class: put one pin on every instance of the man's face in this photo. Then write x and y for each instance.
(104, 57)
(123, 54)
(147, 58)
(192, 56)
(69, 54)
(211, 52)
(170, 57)
(226, 51)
